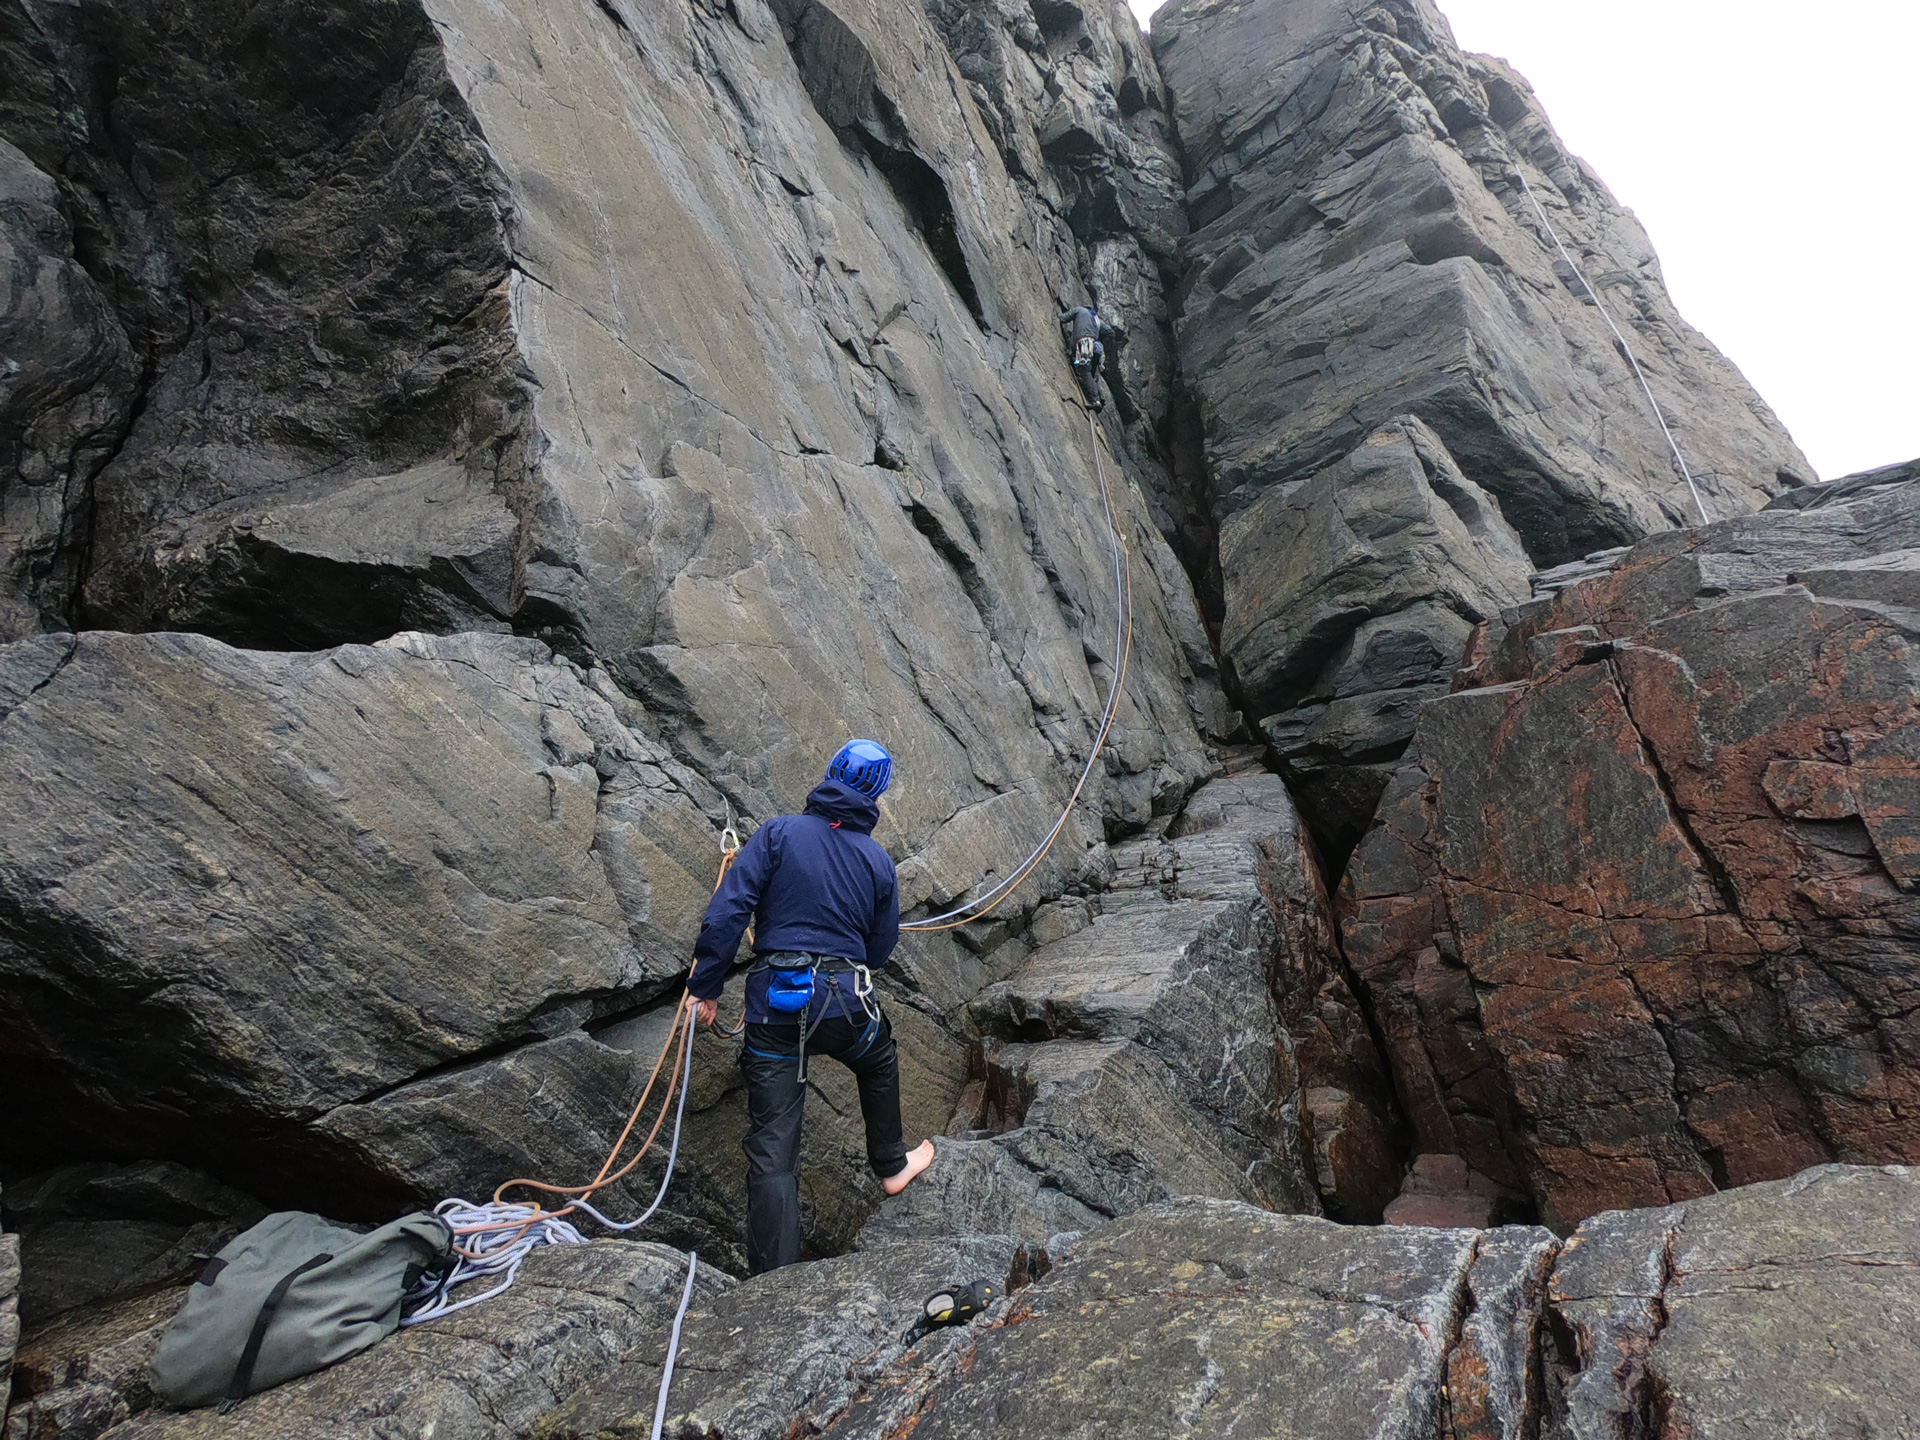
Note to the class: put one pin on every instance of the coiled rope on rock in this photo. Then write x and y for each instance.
(491, 1240)
(1619, 339)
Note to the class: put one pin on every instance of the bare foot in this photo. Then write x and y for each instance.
(918, 1159)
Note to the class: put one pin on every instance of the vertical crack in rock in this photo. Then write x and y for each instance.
(1709, 862)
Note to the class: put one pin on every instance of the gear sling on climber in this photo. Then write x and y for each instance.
(822, 897)
(1084, 328)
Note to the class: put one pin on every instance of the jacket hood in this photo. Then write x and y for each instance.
(844, 805)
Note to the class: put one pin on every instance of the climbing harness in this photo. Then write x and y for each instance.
(955, 1305)
(981, 905)
(1083, 350)
(1620, 340)
(791, 991)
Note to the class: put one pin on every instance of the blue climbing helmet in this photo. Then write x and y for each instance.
(865, 766)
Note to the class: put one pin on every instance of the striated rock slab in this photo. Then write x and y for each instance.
(1777, 1309)
(85, 1372)
(1637, 921)
(1196, 1036)
(1362, 248)
(787, 1351)
(976, 1187)
(1350, 598)
(1780, 1308)
(1202, 1317)
(248, 889)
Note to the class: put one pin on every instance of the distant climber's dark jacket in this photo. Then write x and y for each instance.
(817, 883)
(1081, 323)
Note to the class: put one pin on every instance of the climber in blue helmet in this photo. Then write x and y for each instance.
(1084, 328)
(825, 909)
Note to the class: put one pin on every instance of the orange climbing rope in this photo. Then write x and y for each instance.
(681, 1031)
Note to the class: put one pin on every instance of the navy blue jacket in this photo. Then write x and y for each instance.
(818, 883)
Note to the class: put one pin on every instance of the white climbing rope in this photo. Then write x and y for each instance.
(980, 905)
(1625, 348)
(492, 1241)
(673, 1346)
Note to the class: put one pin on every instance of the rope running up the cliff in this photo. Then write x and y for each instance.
(978, 907)
(1621, 340)
(492, 1240)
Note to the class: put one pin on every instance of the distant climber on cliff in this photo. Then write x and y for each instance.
(825, 908)
(1084, 328)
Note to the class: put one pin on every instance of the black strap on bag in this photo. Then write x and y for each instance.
(243, 1372)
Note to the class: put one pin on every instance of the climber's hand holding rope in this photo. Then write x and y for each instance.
(707, 1012)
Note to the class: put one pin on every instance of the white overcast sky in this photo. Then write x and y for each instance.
(1772, 150)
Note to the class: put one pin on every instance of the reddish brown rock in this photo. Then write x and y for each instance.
(1638, 918)
(1444, 1192)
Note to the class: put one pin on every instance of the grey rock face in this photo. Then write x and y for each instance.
(1775, 1309)
(1361, 250)
(1364, 260)
(1196, 1037)
(679, 416)
(254, 888)
(1075, 103)
(312, 272)
(1349, 599)
(66, 385)
(775, 449)
(1317, 574)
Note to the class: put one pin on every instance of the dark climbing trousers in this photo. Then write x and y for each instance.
(775, 1097)
(1089, 378)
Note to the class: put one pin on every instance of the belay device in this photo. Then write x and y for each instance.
(955, 1305)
